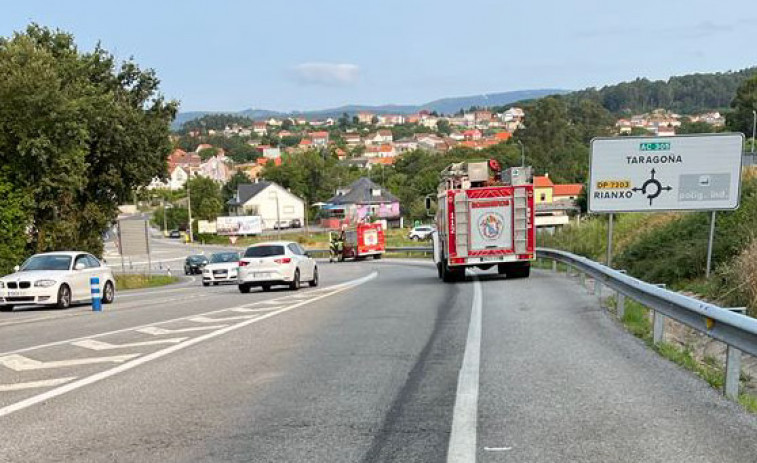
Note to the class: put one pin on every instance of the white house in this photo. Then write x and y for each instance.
(269, 200)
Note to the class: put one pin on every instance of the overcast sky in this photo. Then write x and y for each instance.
(308, 54)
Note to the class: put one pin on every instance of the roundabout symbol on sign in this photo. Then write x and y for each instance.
(652, 188)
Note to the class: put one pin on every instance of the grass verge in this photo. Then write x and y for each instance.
(137, 281)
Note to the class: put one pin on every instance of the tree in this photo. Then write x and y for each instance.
(79, 134)
(374, 120)
(205, 195)
(443, 127)
(207, 153)
(229, 189)
(741, 117)
(286, 124)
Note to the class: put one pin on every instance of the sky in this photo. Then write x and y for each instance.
(229, 55)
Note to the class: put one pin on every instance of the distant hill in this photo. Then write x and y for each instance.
(444, 106)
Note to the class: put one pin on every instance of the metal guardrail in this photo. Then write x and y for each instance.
(737, 331)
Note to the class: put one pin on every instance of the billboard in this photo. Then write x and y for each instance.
(239, 225)
(645, 174)
(206, 226)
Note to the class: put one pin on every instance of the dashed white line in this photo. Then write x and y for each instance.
(462, 441)
(20, 363)
(94, 344)
(35, 384)
(204, 319)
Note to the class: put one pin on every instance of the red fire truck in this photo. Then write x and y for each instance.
(363, 240)
(485, 217)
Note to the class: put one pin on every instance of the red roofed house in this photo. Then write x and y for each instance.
(502, 136)
(319, 138)
(566, 192)
(543, 189)
(473, 134)
(381, 151)
(306, 143)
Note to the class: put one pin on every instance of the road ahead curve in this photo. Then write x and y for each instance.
(365, 368)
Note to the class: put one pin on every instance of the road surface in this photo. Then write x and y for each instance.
(382, 362)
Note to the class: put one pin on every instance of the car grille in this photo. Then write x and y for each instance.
(20, 299)
(25, 284)
(219, 272)
(12, 285)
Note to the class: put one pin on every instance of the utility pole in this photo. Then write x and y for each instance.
(165, 222)
(754, 127)
(189, 204)
(278, 222)
(522, 154)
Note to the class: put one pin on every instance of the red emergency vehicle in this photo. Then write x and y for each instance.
(485, 217)
(363, 240)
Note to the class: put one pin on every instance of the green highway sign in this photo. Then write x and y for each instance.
(654, 146)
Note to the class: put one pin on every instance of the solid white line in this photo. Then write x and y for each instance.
(246, 310)
(20, 363)
(155, 331)
(35, 384)
(94, 344)
(462, 441)
(7, 410)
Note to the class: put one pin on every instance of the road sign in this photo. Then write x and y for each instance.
(688, 172)
(132, 237)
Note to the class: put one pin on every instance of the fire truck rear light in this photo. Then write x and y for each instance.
(283, 260)
(457, 260)
(525, 256)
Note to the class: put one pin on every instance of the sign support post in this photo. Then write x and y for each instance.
(709, 244)
(609, 240)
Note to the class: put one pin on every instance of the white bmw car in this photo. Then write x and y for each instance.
(222, 268)
(276, 263)
(56, 278)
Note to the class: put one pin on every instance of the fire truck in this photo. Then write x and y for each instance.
(485, 217)
(363, 240)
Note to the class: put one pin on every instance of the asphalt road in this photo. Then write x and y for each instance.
(381, 362)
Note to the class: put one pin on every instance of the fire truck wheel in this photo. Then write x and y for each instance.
(502, 269)
(439, 270)
(449, 275)
(377, 256)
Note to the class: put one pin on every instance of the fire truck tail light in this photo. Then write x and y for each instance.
(457, 260)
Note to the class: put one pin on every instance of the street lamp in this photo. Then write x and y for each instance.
(522, 154)
(189, 204)
(754, 127)
(278, 221)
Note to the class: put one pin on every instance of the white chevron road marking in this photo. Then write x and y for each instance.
(155, 331)
(94, 344)
(20, 363)
(35, 384)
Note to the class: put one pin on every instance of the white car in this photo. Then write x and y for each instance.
(56, 278)
(276, 263)
(421, 232)
(221, 268)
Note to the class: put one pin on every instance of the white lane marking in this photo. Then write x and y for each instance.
(20, 363)
(248, 310)
(66, 388)
(497, 449)
(153, 324)
(204, 319)
(462, 441)
(155, 331)
(94, 344)
(35, 384)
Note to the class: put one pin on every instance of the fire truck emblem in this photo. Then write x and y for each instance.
(491, 226)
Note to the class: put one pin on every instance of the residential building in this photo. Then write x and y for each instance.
(260, 128)
(269, 200)
(319, 138)
(365, 117)
(385, 150)
(381, 137)
(568, 192)
(543, 189)
(273, 122)
(404, 145)
(473, 134)
(216, 168)
(251, 169)
(352, 139)
(361, 200)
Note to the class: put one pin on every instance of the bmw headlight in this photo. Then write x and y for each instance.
(44, 283)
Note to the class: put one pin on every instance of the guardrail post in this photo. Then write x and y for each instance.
(582, 278)
(732, 372)
(554, 265)
(598, 290)
(658, 323)
(621, 305)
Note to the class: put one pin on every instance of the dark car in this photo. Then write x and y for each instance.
(174, 234)
(295, 223)
(194, 264)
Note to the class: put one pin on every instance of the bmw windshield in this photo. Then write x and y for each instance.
(47, 262)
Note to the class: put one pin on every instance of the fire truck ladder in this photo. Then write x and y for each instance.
(520, 214)
(462, 217)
